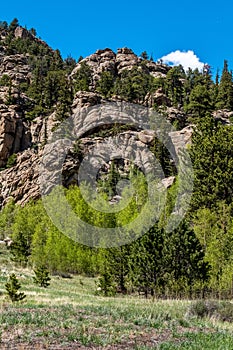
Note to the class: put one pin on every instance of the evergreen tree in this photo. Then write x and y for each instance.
(174, 85)
(83, 78)
(12, 287)
(212, 153)
(105, 85)
(213, 227)
(13, 25)
(184, 267)
(42, 276)
(225, 89)
(200, 101)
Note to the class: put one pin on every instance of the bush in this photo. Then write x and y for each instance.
(222, 311)
(225, 311)
(203, 308)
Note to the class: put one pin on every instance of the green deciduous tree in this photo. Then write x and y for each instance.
(214, 230)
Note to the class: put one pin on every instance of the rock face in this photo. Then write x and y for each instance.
(94, 116)
(21, 181)
(223, 115)
(16, 67)
(14, 134)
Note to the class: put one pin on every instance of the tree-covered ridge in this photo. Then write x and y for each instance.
(196, 259)
(51, 87)
(47, 85)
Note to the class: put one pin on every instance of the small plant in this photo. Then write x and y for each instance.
(11, 160)
(12, 287)
(42, 276)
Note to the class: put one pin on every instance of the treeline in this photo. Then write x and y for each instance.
(157, 264)
(51, 88)
(194, 92)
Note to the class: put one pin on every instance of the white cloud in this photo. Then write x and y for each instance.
(185, 58)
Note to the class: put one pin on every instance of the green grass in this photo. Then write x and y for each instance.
(68, 315)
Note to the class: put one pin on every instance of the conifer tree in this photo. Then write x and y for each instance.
(12, 287)
(225, 89)
(42, 276)
(211, 154)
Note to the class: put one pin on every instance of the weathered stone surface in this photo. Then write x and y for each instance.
(147, 136)
(182, 138)
(41, 129)
(101, 60)
(223, 115)
(22, 33)
(14, 134)
(85, 99)
(16, 67)
(21, 181)
(124, 59)
(93, 115)
(157, 99)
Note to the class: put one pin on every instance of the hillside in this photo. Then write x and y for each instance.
(111, 119)
(38, 90)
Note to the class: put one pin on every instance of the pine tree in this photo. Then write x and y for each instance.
(105, 85)
(211, 154)
(225, 89)
(174, 86)
(12, 287)
(42, 276)
(83, 78)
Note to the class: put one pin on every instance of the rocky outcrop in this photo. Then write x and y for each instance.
(100, 61)
(14, 134)
(125, 59)
(223, 115)
(182, 138)
(23, 33)
(16, 67)
(158, 98)
(85, 99)
(93, 116)
(41, 129)
(21, 181)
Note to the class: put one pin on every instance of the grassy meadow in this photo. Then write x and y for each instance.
(69, 315)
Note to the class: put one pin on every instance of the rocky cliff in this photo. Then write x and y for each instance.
(32, 96)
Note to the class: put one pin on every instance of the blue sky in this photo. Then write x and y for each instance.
(159, 27)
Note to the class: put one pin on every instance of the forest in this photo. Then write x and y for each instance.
(193, 261)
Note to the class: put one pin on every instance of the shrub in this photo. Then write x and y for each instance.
(202, 308)
(222, 311)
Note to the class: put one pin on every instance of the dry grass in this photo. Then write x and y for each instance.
(68, 315)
